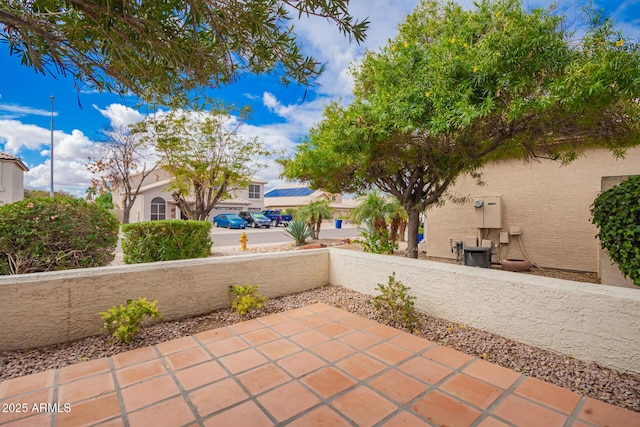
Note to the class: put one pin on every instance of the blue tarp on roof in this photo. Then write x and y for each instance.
(289, 192)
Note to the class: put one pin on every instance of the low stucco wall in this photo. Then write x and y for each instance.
(587, 321)
(48, 308)
(590, 322)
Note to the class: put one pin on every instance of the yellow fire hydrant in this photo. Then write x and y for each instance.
(243, 241)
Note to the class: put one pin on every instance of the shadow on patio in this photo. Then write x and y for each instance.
(316, 365)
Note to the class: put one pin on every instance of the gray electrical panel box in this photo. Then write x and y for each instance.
(488, 212)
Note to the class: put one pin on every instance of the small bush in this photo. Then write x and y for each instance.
(166, 240)
(105, 200)
(378, 242)
(46, 234)
(124, 322)
(299, 231)
(395, 304)
(616, 212)
(245, 299)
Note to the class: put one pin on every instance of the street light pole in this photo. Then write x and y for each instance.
(51, 190)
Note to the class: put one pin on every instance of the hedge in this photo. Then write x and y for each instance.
(166, 240)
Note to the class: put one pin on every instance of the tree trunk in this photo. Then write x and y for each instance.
(412, 227)
(312, 226)
(403, 228)
(126, 212)
(395, 226)
(318, 225)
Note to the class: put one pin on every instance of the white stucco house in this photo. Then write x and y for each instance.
(154, 200)
(11, 178)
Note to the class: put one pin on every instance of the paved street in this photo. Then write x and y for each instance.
(264, 236)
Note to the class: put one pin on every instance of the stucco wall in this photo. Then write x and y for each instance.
(11, 182)
(549, 202)
(588, 321)
(47, 308)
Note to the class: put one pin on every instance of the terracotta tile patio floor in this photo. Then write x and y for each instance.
(310, 366)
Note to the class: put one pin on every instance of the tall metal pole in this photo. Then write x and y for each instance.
(51, 190)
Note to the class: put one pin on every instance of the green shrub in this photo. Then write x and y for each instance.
(105, 200)
(616, 212)
(395, 304)
(299, 231)
(46, 234)
(245, 299)
(378, 242)
(166, 240)
(124, 322)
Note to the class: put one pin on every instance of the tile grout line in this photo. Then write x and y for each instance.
(573, 417)
(183, 393)
(430, 387)
(357, 382)
(118, 390)
(251, 397)
(54, 398)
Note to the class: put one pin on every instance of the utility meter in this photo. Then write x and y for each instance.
(478, 203)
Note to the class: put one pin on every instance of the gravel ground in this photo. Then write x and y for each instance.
(588, 378)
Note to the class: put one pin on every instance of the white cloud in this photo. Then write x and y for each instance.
(322, 39)
(120, 115)
(20, 110)
(71, 152)
(17, 135)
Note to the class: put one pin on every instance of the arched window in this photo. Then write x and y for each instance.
(158, 209)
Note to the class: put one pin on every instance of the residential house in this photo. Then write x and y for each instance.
(11, 178)
(294, 196)
(154, 200)
(538, 210)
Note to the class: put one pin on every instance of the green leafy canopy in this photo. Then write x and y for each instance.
(459, 87)
(164, 51)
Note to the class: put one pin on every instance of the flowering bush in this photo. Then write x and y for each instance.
(46, 234)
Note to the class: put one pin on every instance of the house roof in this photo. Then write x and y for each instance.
(10, 158)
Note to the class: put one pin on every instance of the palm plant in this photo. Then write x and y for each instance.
(374, 208)
(299, 231)
(399, 220)
(313, 213)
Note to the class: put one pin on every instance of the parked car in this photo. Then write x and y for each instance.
(277, 217)
(255, 219)
(229, 221)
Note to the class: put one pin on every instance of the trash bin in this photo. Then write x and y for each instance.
(477, 257)
(338, 223)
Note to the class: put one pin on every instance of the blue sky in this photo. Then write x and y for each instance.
(281, 115)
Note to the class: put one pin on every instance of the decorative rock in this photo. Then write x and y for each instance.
(313, 246)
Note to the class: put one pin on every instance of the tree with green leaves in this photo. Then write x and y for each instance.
(122, 164)
(459, 87)
(163, 52)
(205, 155)
(313, 213)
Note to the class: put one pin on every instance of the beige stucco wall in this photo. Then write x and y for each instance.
(11, 182)
(47, 308)
(549, 202)
(588, 321)
(609, 272)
